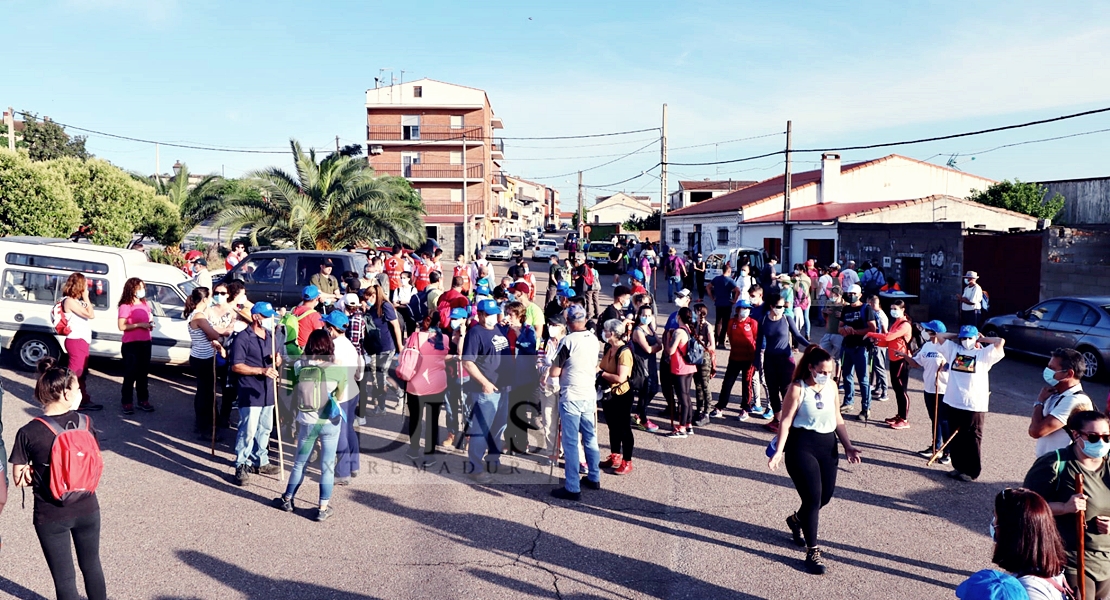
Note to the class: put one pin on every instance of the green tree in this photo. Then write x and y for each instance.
(326, 204)
(193, 204)
(577, 218)
(648, 223)
(46, 140)
(162, 223)
(34, 200)
(1023, 197)
(111, 202)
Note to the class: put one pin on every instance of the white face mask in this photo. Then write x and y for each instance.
(140, 293)
(895, 313)
(745, 312)
(490, 321)
(268, 323)
(457, 323)
(778, 311)
(75, 398)
(968, 343)
(820, 378)
(218, 299)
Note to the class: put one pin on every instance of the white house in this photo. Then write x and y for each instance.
(692, 192)
(892, 189)
(619, 208)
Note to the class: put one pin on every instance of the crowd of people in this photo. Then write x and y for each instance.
(501, 370)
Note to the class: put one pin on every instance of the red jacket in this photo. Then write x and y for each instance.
(742, 334)
(895, 340)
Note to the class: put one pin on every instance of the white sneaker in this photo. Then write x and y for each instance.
(361, 422)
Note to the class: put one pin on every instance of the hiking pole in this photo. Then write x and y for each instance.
(1081, 535)
(936, 408)
(940, 451)
(277, 411)
(213, 448)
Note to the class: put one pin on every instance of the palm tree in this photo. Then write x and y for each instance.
(195, 204)
(333, 203)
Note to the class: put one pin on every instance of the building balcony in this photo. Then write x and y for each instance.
(401, 134)
(497, 149)
(526, 199)
(499, 182)
(454, 209)
(496, 122)
(429, 171)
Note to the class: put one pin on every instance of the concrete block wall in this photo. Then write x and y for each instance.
(1076, 262)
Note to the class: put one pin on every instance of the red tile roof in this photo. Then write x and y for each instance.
(829, 212)
(725, 184)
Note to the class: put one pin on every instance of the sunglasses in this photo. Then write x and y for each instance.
(1095, 437)
(817, 397)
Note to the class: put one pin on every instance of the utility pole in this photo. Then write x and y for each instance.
(581, 218)
(663, 178)
(337, 144)
(466, 214)
(9, 122)
(784, 260)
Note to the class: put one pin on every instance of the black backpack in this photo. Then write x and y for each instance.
(640, 375)
(695, 351)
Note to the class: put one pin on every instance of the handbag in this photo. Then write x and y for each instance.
(409, 357)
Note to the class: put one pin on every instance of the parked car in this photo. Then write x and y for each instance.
(1067, 322)
(715, 262)
(571, 239)
(599, 253)
(34, 271)
(516, 244)
(498, 249)
(278, 276)
(545, 249)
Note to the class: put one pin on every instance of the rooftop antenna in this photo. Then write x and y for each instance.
(402, 76)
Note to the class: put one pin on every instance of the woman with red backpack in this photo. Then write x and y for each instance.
(74, 516)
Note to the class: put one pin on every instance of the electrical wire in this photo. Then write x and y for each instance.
(754, 137)
(616, 183)
(1051, 139)
(622, 157)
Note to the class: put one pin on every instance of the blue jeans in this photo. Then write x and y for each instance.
(575, 422)
(674, 286)
(253, 441)
(481, 430)
(856, 367)
(347, 451)
(328, 433)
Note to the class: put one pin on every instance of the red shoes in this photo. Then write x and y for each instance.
(624, 469)
(614, 461)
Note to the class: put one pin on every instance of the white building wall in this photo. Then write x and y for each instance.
(617, 213)
(968, 213)
(435, 94)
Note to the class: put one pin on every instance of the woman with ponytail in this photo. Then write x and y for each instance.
(811, 425)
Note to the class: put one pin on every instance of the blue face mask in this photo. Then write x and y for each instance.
(1049, 377)
(645, 320)
(992, 531)
(1097, 449)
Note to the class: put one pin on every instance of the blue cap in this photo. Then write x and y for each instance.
(482, 290)
(575, 313)
(459, 313)
(263, 308)
(337, 320)
(638, 275)
(989, 584)
(969, 331)
(743, 303)
(563, 285)
(489, 307)
(565, 293)
(934, 326)
(310, 293)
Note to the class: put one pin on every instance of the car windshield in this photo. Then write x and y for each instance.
(601, 247)
(499, 242)
(514, 238)
(547, 243)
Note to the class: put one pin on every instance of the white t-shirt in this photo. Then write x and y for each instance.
(824, 286)
(578, 357)
(848, 278)
(968, 375)
(1039, 588)
(79, 328)
(975, 295)
(931, 358)
(347, 356)
(1060, 407)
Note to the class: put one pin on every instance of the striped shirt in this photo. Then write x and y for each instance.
(201, 347)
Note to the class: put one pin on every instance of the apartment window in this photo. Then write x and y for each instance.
(773, 247)
(410, 127)
(408, 159)
(676, 236)
(456, 157)
(456, 195)
(417, 91)
(456, 121)
(722, 236)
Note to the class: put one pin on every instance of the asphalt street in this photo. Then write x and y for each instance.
(700, 517)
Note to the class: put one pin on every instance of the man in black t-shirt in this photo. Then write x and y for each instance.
(856, 320)
(622, 298)
(483, 349)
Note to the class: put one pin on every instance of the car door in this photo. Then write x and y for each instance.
(263, 276)
(1067, 326)
(1027, 331)
(170, 337)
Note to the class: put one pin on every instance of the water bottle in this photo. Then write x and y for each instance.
(773, 446)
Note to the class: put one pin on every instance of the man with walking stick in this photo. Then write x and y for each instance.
(254, 374)
(968, 395)
(1075, 481)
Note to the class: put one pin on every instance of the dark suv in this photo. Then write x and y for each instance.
(278, 276)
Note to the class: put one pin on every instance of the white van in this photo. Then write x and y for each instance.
(715, 262)
(33, 271)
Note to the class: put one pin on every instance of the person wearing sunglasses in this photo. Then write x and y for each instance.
(1053, 477)
(811, 426)
(778, 335)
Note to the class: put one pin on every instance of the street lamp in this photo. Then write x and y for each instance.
(177, 168)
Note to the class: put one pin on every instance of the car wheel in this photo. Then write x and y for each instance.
(30, 348)
(1094, 362)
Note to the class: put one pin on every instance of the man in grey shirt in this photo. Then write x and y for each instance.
(575, 365)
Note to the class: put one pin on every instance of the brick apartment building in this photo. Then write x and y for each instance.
(425, 131)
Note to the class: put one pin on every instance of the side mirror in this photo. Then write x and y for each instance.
(1021, 314)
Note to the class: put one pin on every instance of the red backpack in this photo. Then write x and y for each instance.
(588, 276)
(75, 461)
(59, 320)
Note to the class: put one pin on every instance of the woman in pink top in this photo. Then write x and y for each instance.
(683, 372)
(136, 323)
(427, 388)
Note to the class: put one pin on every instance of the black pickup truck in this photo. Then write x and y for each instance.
(278, 276)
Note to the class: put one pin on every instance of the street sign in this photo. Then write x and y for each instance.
(587, 229)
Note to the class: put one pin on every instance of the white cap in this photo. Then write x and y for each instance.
(350, 299)
(855, 289)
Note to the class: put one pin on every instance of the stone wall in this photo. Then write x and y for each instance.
(1076, 262)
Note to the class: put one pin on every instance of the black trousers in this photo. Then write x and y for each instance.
(227, 396)
(204, 400)
(811, 460)
(720, 327)
(966, 447)
(418, 406)
(523, 404)
(684, 409)
(900, 381)
(777, 371)
(54, 538)
(737, 369)
(618, 418)
(667, 384)
(136, 367)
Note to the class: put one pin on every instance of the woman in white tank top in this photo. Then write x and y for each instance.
(78, 312)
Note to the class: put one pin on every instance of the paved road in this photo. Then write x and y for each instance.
(698, 518)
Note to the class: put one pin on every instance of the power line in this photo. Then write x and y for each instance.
(1059, 137)
(579, 137)
(622, 157)
(754, 137)
(615, 183)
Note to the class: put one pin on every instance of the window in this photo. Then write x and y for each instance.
(410, 127)
(307, 266)
(50, 262)
(456, 195)
(676, 236)
(408, 159)
(456, 157)
(722, 236)
(432, 232)
(165, 301)
(597, 219)
(1044, 311)
(696, 197)
(1073, 313)
(773, 247)
(456, 121)
(46, 288)
(417, 91)
(260, 270)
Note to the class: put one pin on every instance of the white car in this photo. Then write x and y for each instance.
(498, 249)
(516, 243)
(715, 262)
(545, 249)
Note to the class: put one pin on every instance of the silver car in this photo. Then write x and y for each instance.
(498, 249)
(1067, 322)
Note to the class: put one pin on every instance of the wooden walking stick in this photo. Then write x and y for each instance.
(940, 451)
(277, 412)
(936, 408)
(214, 384)
(1081, 535)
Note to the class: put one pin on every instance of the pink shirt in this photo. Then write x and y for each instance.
(135, 313)
(679, 366)
(431, 374)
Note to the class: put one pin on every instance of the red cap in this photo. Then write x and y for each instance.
(522, 287)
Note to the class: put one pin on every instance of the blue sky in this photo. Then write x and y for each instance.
(249, 74)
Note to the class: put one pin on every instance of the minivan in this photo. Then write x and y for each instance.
(33, 271)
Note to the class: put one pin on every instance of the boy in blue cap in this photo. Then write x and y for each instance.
(253, 369)
(970, 356)
(931, 360)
